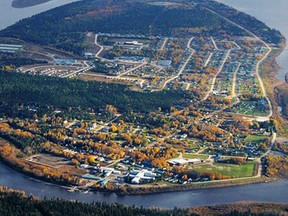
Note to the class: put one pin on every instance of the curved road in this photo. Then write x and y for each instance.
(183, 66)
(265, 118)
(215, 77)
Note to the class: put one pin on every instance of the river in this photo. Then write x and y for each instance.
(272, 13)
(10, 15)
(264, 192)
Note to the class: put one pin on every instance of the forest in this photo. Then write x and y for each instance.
(11, 61)
(63, 93)
(32, 206)
(276, 166)
(65, 27)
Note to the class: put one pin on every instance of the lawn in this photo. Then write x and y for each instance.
(195, 156)
(232, 170)
(249, 108)
(254, 139)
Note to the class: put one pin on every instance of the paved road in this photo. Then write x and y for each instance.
(234, 80)
(164, 44)
(208, 60)
(86, 68)
(214, 79)
(258, 64)
(132, 69)
(97, 44)
(266, 118)
(214, 43)
(183, 66)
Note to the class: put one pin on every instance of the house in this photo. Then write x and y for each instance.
(101, 159)
(105, 129)
(65, 61)
(164, 63)
(85, 166)
(103, 183)
(92, 127)
(91, 177)
(88, 55)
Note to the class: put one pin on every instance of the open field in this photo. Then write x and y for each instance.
(236, 171)
(255, 138)
(249, 108)
(49, 160)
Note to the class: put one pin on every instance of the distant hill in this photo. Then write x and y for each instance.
(27, 3)
(65, 27)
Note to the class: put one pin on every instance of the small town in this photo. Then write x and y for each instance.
(143, 107)
(221, 136)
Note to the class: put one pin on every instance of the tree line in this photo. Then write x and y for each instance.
(31, 206)
(65, 27)
(14, 203)
(64, 93)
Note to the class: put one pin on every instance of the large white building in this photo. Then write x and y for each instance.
(139, 176)
(182, 161)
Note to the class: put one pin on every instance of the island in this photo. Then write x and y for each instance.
(27, 3)
(141, 97)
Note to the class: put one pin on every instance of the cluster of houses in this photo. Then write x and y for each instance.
(10, 48)
(131, 45)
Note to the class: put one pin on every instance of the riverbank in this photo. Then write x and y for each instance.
(260, 192)
(277, 90)
(27, 3)
(14, 158)
(281, 93)
(130, 190)
(8, 156)
(269, 71)
(194, 186)
(150, 190)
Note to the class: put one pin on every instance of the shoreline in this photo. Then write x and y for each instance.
(130, 191)
(242, 207)
(195, 187)
(27, 3)
(269, 70)
(279, 87)
(270, 61)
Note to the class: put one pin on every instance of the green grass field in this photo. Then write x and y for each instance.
(232, 170)
(254, 138)
(195, 156)
(249, 108)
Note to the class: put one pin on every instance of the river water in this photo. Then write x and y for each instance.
(10, 15)
(271, 12)
(274, 14)
(264, 192)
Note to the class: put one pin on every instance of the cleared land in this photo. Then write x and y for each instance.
(232, 170)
